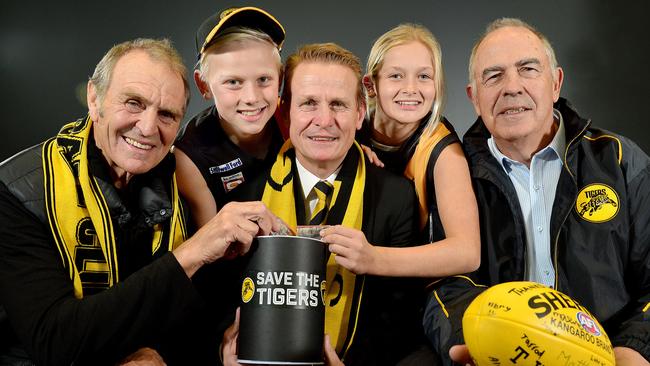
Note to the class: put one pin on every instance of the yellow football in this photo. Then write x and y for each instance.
(525, 323)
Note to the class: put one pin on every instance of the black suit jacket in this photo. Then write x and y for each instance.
(390, 314)
(389, 324)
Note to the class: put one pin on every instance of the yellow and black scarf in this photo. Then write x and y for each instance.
(79, 216)
(344, 289)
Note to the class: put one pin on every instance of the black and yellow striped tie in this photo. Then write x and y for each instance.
(323, 190)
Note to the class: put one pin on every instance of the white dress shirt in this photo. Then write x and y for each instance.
(308, 181)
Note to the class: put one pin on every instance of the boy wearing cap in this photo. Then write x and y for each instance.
(228, 143)
(237, 137)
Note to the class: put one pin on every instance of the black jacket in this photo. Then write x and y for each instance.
(603, 262)
(156, 306)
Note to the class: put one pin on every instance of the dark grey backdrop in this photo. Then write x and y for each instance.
(48, 50)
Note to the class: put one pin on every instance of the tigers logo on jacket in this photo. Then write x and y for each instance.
(597, 203)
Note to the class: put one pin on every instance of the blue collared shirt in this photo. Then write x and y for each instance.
(535, 189)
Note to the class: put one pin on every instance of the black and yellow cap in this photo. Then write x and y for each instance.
(247, 16)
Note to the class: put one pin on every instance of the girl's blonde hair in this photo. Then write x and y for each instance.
(403, 34)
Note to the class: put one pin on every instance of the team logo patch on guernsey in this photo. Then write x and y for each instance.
(226, 167)
(247, 289)
(597, 203)
(232, 181)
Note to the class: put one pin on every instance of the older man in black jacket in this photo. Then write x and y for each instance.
(561, 202)
(95, 263)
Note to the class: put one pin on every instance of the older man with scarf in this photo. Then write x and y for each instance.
(95, 263)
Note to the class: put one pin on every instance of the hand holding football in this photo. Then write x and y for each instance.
(525, 323)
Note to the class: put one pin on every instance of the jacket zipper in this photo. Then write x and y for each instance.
(566, 166)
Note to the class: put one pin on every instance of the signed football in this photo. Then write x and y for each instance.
(525, 323)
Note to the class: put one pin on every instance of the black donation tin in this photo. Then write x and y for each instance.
(282, 310)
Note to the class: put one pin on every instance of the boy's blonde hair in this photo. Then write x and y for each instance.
(237, 34)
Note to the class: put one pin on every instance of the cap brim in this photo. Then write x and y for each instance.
(249, 17)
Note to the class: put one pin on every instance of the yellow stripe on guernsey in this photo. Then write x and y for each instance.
(341, 316)
(416, 169)
(79, 216)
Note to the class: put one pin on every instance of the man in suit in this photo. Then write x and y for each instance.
(321, 177)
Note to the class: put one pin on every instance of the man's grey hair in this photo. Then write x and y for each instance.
(511, 22)
(160, 50)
